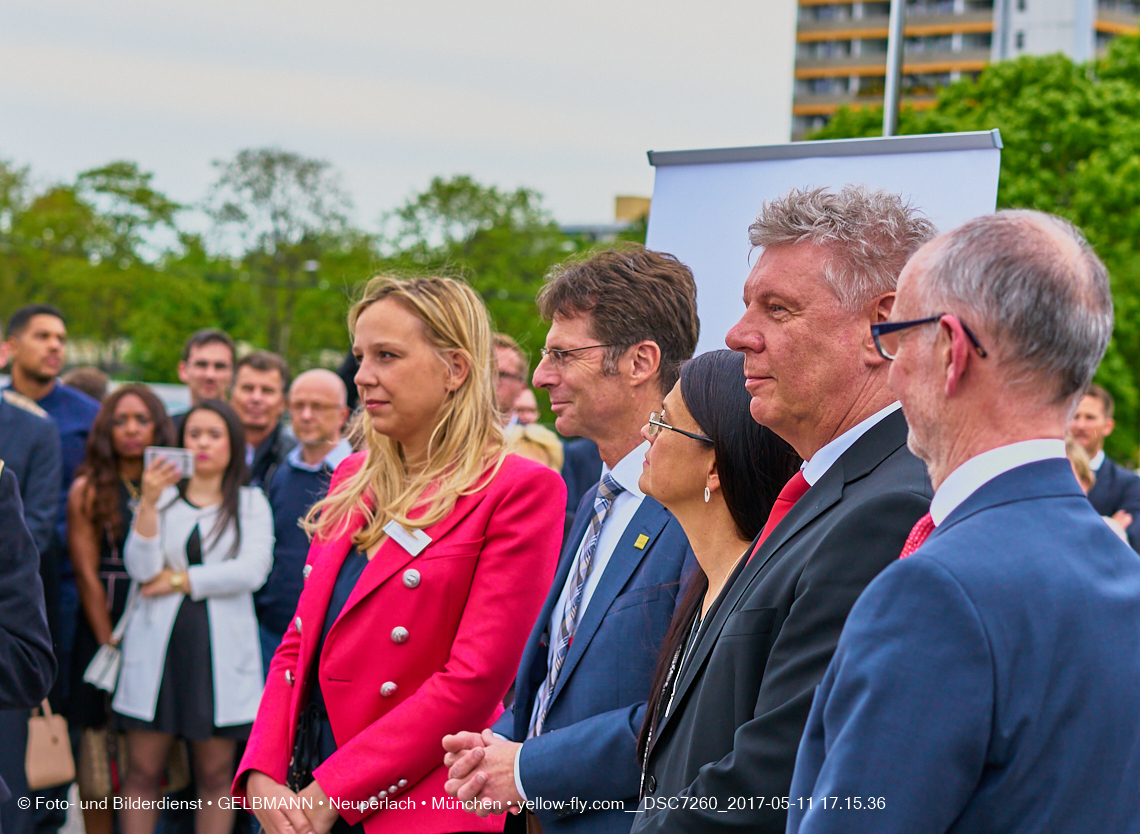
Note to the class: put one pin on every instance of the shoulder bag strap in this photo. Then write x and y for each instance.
(121, 625)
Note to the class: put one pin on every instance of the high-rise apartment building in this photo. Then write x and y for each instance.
(841, 48)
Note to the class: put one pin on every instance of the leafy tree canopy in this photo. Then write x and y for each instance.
(278, 268)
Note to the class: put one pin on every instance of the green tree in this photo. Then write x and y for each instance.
(128, 207)
(282, 212)
(1071, 136)
(502, 242)
(77, 246)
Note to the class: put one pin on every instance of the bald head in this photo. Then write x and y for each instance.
(318, 407)
(320, 380)
(1031, 283)
(1006, 319)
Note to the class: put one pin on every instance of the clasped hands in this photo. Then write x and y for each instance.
(481, 767)
(284, 817)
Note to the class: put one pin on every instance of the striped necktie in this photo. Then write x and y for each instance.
(608, 490)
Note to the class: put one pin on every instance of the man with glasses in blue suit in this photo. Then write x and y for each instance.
(986, 681)
(622, 323)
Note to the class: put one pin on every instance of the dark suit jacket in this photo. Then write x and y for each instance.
(1118, 489)
(588, 748)
(988, 683)
(269, 455)
(27, 665)
(29, 446)
(743, 698)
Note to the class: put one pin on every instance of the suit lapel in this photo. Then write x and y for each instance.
(320, 587)
(391, 557)
(1103, 487)
(649, 520)
(1050, 478)
(824, 494)
(535, 651)
(880, 441)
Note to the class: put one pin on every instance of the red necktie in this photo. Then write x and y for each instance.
(792, 492)
(918, 535)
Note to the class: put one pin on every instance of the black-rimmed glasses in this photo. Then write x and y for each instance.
(657, 422)
(886, 335)
(558, 357)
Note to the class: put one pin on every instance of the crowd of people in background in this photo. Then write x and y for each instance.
(75, 443)
(869, 569)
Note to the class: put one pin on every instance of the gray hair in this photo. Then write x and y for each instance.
(1033, 283)
(870, 234)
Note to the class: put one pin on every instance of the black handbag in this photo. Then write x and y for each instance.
(306, 747)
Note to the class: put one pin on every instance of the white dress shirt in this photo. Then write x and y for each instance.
(626, 472)
(971, 475)
(823, 460)
(1097, 461)
(332, 460)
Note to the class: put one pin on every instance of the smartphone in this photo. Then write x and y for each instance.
(172, 454)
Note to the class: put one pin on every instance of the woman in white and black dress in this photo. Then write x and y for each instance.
(191, 656)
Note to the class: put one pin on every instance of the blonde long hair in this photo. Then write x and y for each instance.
(465, 450)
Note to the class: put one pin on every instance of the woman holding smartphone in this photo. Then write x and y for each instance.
(431, 557)
(191, 667)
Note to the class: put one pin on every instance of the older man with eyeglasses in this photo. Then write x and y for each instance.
(622, 322)
(987, 681)
(318, 410)
(826, 273)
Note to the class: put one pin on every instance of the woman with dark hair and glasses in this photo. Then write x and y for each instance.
(718, 472)
(198, 548)
(100, 508)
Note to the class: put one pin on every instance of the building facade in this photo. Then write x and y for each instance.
(841, 48)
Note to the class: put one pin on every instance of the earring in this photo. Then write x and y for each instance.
(707, 495)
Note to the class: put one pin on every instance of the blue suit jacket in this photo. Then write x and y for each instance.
(1118, 489)
(29, 446)
(987, 683)
(588, 748)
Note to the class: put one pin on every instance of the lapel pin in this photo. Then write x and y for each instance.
(642, 540)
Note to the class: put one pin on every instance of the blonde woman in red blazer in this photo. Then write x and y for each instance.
(431, 557)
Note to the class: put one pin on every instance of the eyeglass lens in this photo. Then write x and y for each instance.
(889, 343)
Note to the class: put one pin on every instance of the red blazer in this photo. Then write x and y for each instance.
(461, 630)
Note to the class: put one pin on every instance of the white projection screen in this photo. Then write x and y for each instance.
(704, 201)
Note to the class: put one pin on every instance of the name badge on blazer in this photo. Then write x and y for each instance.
(413, 541)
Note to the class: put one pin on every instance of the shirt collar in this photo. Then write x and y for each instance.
(822, 460)
(971, 475)
(332, 460)
(1097, 461)
(627, 471)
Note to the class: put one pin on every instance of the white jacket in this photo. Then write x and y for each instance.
(226, 584)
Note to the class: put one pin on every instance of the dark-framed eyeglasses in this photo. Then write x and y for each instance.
(558, 357)
(657, 422)
(886, 335)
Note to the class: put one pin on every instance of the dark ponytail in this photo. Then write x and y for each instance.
(753, 464)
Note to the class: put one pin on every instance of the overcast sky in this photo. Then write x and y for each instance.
(563, 97)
